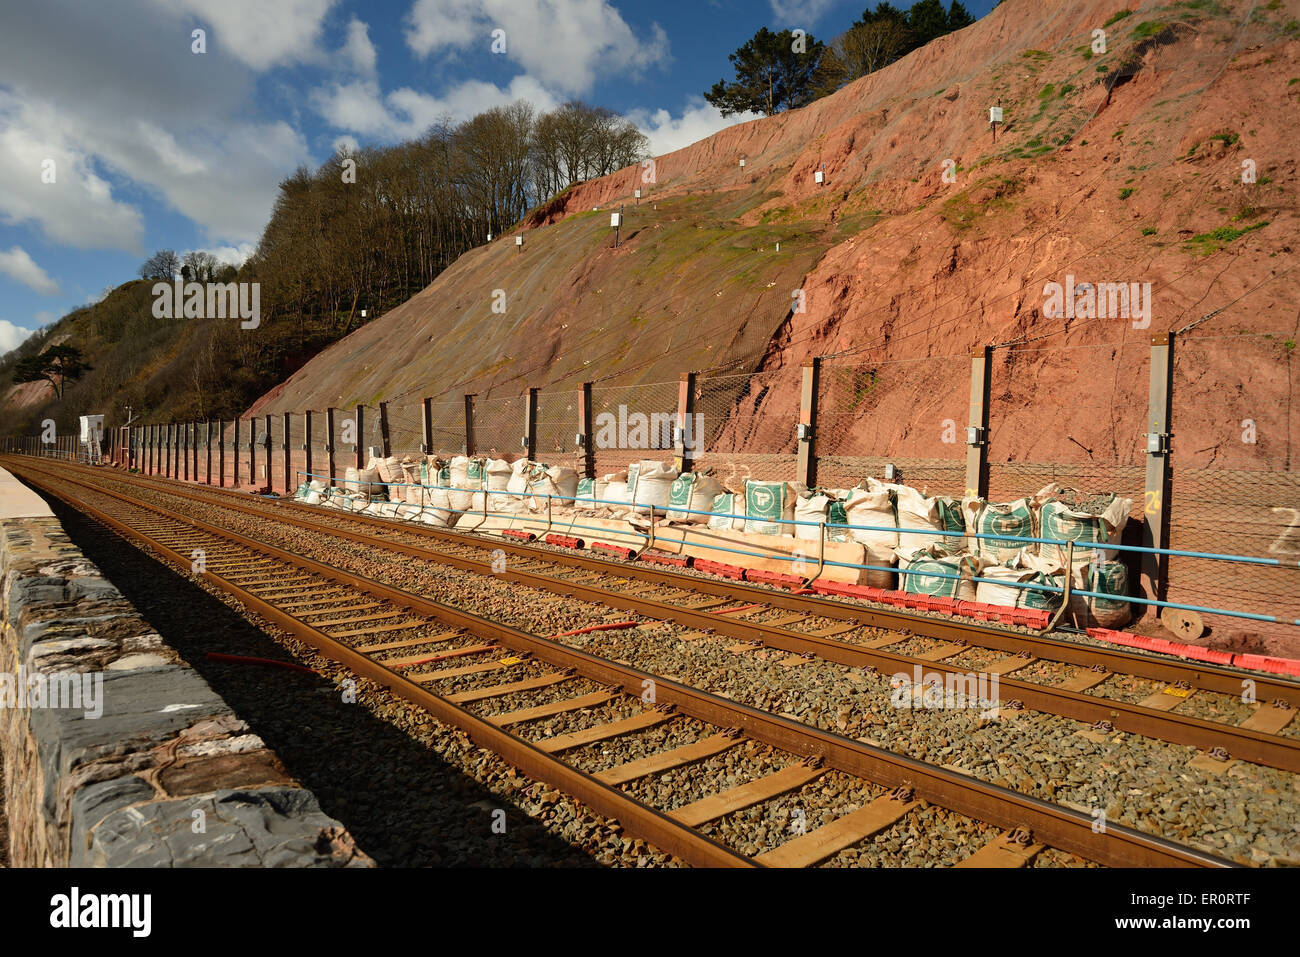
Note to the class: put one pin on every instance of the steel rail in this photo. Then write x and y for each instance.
(1243, 743)
(1198, 674)
(1060, 827)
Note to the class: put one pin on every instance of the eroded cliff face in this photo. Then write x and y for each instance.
(927, 239)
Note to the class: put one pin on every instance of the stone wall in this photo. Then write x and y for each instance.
(166, 775)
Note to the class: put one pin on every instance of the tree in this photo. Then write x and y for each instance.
(862, 49)
(958, 16)
(57, 365)
(164, 264)
(774, 72)
(203, 266)
(927, 20)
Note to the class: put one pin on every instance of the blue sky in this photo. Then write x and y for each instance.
(153, 145)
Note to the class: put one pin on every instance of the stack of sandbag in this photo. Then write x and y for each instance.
(499, 476)
(769, 507)
(1109, 579)
(618, 495)
(437, 510)
(815, 506)
(1011, 522)
(592, 494)
(727, 513)
(935, 573)
(558, 483)
(921, 517)
(690, 499)
(651, 487)
(874, 508)
(462, 490)
(1087, 521)
(996, 593)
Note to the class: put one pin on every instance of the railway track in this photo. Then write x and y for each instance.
(854, 635)
(494, 681)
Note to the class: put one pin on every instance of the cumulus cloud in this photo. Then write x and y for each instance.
(259, 33)
(173, 123)
(563, 43)
(17, 264)
(11, 336)
(790, 14)
(359, 106)
(357, 50)
(698, 120)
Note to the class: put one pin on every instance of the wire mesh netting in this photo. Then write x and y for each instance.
(632, 423)
(747, 425)
(557, 424)
(1234, 486)
(499, 424)
(910, 413)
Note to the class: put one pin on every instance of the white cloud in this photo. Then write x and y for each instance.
(231, 255)
(44, 318)
(790, 14)
(11, 336)
(346, 143)
(258, 33)
(359, 107)
(697, 121)
(563, 43)
(78, 208)
(17, 264)
(358, 50)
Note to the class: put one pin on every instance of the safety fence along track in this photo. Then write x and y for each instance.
(1070, 679)
(495, 681)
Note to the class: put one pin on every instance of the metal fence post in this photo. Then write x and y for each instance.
(1155, 512)
(470, 446)
(385, 441)
(288, 477)
(585, 430)
(329, 444)
(221, 453)
(426, 426)
(234, 443)
(809, 391)
(977, 431)
(685, 442)
(530, 425)
(306, 444)
(358, 446)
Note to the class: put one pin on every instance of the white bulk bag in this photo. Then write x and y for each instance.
(691, 498)
(1097, 525)
(1014, 520)
(560, 483)
(766, 503)
(988, 593)
(812, 510)
(591, 494)
(728, 512)
(872, 507)
(654, 486)
(619, 494)
(460, 483)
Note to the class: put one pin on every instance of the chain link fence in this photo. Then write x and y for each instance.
(632, 422)
(748, 425)
(557, 424)
(1235, 488)
(909, 413)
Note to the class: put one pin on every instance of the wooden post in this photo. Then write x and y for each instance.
(385, 440)
(809, 391)
(171, 450)
(329, 444)
(183, 446)
(221, 453)
(426, 426)
(270, 479)
(234, 448)
(977, 435)
(359, 445)
(686, 441)
(1155, 529)
(306, 444)
(586, 431)
(252, 452)
(194, 430)
(288, 465)
(530, 425)
(470, 440)
(207, 442)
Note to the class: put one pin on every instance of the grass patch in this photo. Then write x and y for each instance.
(1229, 139)
(1148, 230)
(1126, 192)
(1117, 17)
(1148, 28)
(1206, 243)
